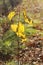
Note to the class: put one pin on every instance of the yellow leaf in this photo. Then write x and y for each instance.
(20, 34)
(25, 16)
(14, 27)
(30, 22)
(26, 20)
(11, 15)
(20, 31)
(20, 27)
(24, 40)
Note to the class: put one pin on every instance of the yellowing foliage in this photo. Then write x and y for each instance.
(26, 19)
(19, 29)
(14, 27)
(20, 35)
(11, 15)
(23, 40)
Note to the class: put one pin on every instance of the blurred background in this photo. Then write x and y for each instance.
(31, 51)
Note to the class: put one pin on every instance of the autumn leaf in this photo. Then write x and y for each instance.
(11, 15)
